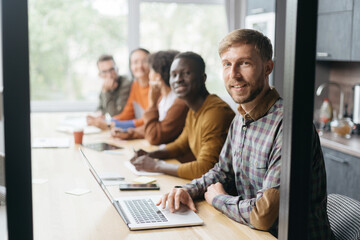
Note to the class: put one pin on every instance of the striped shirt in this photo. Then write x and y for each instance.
(250, 163)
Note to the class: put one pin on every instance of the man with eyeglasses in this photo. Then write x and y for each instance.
(115, 89)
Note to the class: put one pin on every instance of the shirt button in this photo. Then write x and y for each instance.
(244, 128)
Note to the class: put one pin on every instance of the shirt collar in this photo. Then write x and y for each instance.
(262, 108)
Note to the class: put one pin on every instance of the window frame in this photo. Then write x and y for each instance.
(134, 42)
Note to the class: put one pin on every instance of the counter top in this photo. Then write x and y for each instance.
(349, 146)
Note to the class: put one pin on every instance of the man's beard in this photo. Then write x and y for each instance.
(252, 96)
(253, 93)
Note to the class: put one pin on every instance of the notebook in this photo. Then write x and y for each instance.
(140, 212)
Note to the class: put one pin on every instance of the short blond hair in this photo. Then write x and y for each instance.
(248, 36)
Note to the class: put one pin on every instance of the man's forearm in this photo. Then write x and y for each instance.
(162, 166)
(167, 168)
(160, 154)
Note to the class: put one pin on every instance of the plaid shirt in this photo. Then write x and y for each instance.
(250, 163)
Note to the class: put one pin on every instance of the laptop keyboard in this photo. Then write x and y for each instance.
(145, 211)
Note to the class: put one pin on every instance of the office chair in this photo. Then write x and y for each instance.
(344, 217)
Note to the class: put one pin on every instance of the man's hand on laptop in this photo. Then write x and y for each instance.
(175, 197)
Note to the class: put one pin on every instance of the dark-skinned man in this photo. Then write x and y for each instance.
(206, 124)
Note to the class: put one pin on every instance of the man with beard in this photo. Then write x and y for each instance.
(206, 124)
(244, 185)
(115, 89)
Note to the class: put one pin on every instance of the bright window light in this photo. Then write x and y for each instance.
(66, 39)
(186, 27)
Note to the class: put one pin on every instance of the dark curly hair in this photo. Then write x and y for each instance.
(195, 57)
(161, 61)
(199, 61)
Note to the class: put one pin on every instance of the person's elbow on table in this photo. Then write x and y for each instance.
(266, 210)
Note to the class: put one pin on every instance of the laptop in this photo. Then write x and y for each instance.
(140, 212)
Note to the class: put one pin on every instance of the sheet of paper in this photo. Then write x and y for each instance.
(74, 121)
(50, 143)
(140, 173)
(78, 191)
(70, 129)
(69, 123)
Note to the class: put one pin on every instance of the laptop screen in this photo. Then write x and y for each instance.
(96, 176)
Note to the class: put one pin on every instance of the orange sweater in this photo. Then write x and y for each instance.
(138, 96)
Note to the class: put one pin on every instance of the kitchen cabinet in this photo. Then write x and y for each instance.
(327, 6)
(338, 33)
(342, 173)
(355, 53)
(334, 30)
(334, 36)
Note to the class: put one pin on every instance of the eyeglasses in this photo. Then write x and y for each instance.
(111, 70)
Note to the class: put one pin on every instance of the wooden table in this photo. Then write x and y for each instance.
(58, 215)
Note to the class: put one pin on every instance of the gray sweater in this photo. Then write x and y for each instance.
(113, 102)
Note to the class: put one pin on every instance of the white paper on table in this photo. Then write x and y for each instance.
(140, 173)
(50, 143)
(78, 191)
(74, 121)
(70, 129)
(69, 123)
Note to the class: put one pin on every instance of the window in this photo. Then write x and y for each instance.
(66, 38)
(186, 27)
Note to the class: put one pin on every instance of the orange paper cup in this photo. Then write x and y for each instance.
(78, 135)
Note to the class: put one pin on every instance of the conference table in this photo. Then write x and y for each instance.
(60, 215)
